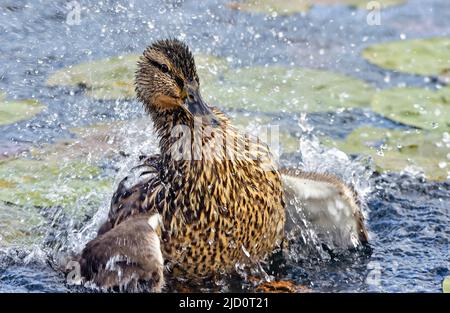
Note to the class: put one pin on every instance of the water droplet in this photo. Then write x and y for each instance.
(245, 251)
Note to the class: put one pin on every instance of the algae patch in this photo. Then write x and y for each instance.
(429, 57)
(37, 183)
(446, 285)
(290, 7)
(19, 225)
(12, 111)
(423, 108)
(397, 150)
(275, 89)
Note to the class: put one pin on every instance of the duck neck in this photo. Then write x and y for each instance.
(181, 139)
(189, 145)
(167, 123)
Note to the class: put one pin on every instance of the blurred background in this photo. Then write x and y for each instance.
(352, 87)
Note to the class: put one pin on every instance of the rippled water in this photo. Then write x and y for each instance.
(407, 216)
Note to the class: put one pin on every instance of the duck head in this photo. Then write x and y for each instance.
(167, 81)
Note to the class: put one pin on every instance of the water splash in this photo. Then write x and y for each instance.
(139, 140)
(306, 243)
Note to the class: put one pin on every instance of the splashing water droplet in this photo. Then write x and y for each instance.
(245, 251)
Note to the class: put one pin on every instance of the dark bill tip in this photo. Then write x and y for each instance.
(199, 108)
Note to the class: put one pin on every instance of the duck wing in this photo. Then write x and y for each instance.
(125, 257)
(329, 206)
(134, 193)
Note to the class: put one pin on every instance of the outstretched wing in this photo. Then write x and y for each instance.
(331, 207)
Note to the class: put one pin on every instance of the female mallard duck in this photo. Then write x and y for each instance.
(218, 192)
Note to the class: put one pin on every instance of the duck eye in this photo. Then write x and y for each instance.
(164, 68)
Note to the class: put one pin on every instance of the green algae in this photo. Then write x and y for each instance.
(399, 150)
(28, 182)
(275, 89)
(12, 111)
(265, 89)
(417, 107)
(19, 225)
(446, 285)
(429, 57)
(286, 7)
(290, 7)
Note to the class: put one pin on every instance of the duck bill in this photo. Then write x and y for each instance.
(199, 108)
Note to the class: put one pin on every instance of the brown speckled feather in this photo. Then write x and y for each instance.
(215, 212)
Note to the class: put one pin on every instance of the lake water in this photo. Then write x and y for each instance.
(407, 216)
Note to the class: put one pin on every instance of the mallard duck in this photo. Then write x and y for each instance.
(218, 192)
